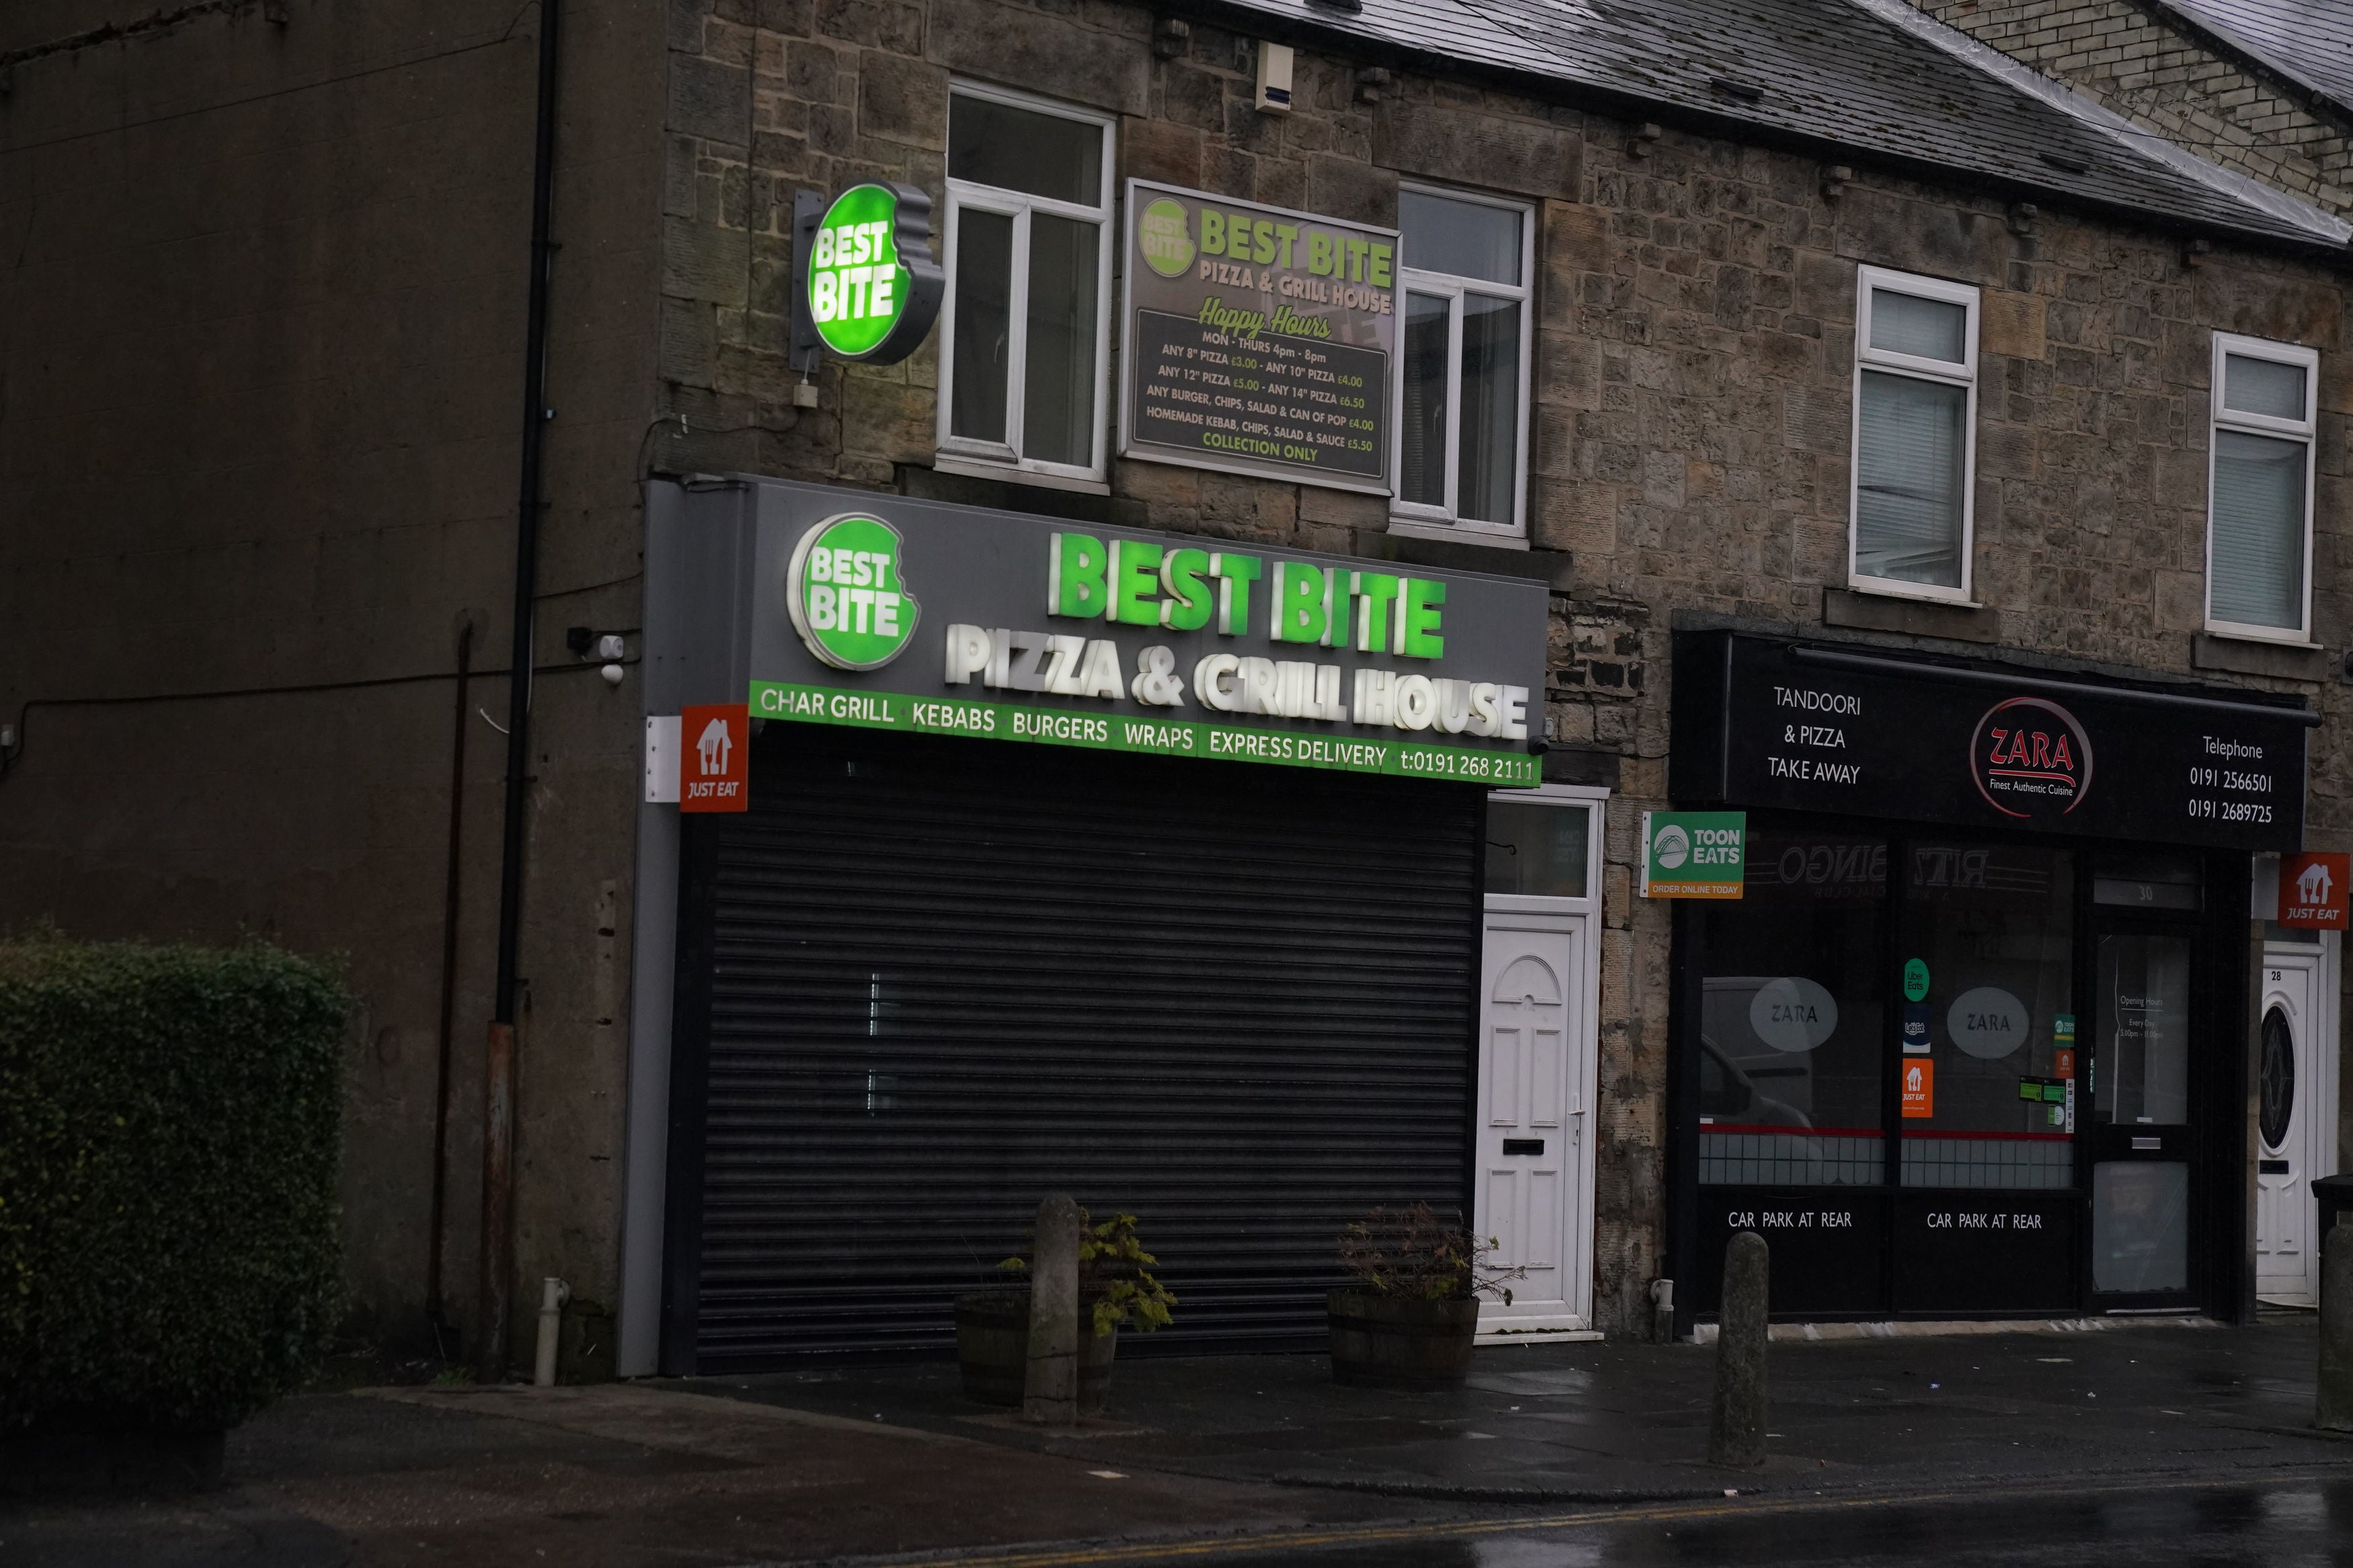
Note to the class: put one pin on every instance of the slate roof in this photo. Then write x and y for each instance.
(1875, 76)
(2310, 42)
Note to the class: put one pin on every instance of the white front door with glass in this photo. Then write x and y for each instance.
(1533, 1178)
(2291, 1135)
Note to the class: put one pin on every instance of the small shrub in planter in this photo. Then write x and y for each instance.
(1412, 1316)
(170, 1121)
(1115, 1284)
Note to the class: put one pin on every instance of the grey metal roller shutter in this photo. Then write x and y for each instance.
(925, 983)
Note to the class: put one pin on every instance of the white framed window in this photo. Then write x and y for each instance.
(2259, 490)
(1025, 330)
(1914, 477)
(1464, 304)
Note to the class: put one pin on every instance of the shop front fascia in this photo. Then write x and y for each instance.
(1049, 824)
(1975, 1040)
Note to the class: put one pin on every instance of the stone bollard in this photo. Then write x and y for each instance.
(1735, 1421)
(2334, 1407)
(1049, 1390)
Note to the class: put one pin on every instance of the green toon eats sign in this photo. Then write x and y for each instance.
(1694, 854)
(869, 289)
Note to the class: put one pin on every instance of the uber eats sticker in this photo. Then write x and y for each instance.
(848, 600)
(872, 289)
(1694, 854)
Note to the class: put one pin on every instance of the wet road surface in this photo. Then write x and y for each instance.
(2276, 1524)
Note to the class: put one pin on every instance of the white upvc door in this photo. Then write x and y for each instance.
(2296, 1119)
(1537, 1038)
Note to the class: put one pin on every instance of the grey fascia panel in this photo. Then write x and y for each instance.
(698, 594)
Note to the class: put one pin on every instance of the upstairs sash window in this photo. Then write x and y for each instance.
(1915, 435)
(2259, 517)
(1024, 332)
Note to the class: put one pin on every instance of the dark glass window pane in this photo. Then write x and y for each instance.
(2144, 998)
(2140, 1225)
(2262, 386)
(983, 305)
(1491, 409)
(1022, 149)
(1423, 437)
(1993, 925)
(1928, 329)
(1908, 500)
(1467, 239)
(2258, 531)
(1537, 849)
(1792, 1021)
(1058, 401)
(2146, 882)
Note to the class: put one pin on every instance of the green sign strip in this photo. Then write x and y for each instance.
(1391, 755)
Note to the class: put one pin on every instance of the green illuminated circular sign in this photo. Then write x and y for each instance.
(1915, 979)
(848, 599)
(1161, 232)
(872, 289)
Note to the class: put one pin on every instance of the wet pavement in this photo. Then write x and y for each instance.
(1627, 1423)
(2153, 1445)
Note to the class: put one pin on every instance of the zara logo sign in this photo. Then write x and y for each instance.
(2030, 758)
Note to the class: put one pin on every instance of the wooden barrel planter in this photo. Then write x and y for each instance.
(993, 1348)
(1379, 1341)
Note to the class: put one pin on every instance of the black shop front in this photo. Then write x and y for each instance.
(1973, 1041)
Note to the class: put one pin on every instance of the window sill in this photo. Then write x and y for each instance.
(1005, 473)
(2241, 654)
(2258, 636)
(1414, 528)
(1910, 616)
(1881, 588)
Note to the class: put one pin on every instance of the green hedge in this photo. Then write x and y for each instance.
(169, 1128)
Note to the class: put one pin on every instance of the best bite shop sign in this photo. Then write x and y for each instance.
(931, 618)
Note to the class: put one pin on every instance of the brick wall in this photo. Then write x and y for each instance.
(1694, 353)
(2116, 52)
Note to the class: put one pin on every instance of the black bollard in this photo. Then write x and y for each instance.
(1735, 1422)
(2333, 1409)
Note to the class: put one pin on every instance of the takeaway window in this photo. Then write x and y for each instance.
(1462, 397)
(1792, 1022)
(1987, 934)
(1915, 435)
(2259, 493)
(1023, 345)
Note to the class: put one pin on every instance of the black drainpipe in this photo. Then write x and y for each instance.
(498, 1117)
(453, 889)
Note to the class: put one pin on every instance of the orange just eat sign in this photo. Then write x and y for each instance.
(1919, 1088)
(715, 763)
(2312, 891)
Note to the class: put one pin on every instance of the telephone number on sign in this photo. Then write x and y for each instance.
(2230, 779)
(1463, 764)
(2230, 811)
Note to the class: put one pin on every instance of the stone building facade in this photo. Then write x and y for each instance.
(1689, 434)
(1687, 462)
